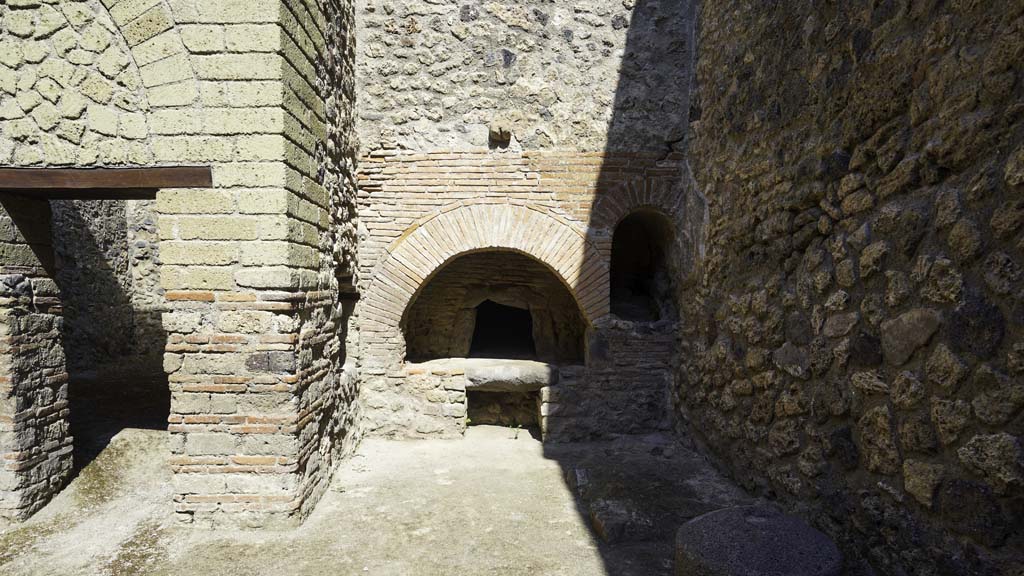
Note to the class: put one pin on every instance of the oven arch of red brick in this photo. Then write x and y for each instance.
(431, 243)
(657, 194)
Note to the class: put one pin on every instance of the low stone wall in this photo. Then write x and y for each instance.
(580, 404)
(437, 401)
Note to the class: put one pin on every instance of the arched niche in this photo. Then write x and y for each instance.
(640, 279)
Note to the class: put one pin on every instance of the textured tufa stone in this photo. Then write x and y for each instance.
(877, 446)
(917, 435)
(950, 418)
(869, 382)
(1000, 396)
(1002, 273)
(907, 390)
(903, 335)
(964, 240)
(921, 479)
(1013, 174)
(999, 458)
(977, 327)
(792, 359)
(840, 325)
(945, 369)
(944, 282)
(873, 258)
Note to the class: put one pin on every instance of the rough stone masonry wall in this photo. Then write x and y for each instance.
(35, 446)
(593, 96)
(107, 260)
(854, 344)
(436, 75)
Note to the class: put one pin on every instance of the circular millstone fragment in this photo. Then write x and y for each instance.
(754, 541)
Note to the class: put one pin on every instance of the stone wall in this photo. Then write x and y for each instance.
(421, 211)
(853, 344)
(585, 76)
(566, 410)
(35, 445)
(107, 259)
(70, 95)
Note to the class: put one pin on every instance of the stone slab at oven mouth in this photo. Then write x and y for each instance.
(497, 374)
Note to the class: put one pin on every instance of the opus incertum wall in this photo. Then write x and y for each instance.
(858, 343)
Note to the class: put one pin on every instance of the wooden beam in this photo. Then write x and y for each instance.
(101, 183)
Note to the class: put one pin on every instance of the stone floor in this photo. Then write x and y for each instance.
(497, 502)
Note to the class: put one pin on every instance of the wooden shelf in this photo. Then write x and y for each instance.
(101, 183)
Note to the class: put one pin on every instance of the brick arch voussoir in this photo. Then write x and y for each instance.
(660, 195)
(430, 244)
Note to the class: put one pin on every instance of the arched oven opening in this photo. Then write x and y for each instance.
(504, 319)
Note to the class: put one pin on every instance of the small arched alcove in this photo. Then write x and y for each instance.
(640, 281)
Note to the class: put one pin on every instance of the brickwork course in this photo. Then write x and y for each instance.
(830, 197)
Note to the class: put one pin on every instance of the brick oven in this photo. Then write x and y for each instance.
(493, 293)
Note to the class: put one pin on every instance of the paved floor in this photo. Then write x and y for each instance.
(497, 502)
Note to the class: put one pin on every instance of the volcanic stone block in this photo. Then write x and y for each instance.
(902, 336)
(754, 540)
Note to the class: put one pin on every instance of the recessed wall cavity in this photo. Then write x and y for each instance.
(495, 305)
(640, 282)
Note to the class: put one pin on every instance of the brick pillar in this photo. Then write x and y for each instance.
(230, 355)
(35, 444)
(259, 409)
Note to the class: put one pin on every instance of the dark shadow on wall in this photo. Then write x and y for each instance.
(645, 186)
(114, 345)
